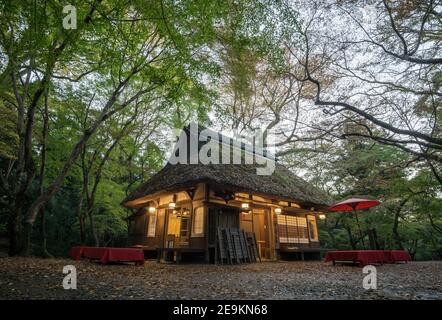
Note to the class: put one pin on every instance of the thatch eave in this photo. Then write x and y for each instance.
(281, 185)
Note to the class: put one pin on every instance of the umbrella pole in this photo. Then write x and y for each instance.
(359, 228)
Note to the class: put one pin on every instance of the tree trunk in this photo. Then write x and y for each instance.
(373, 239)
(81, 217)
(350, 237)
(93, 230)
(82, 229)
(26, 249)
(45, 252)
(395, 232)
(14, 231)
(44, 248)
(397, 212)
(413, 248)
(347, 228)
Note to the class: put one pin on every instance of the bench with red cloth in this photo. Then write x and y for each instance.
(365, 257)
(106, 255)
(393, 256)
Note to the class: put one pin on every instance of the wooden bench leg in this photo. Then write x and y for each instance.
(159, 254)
(139, 263)
(207, 256)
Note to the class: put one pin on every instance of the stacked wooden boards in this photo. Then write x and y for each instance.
(234, 245)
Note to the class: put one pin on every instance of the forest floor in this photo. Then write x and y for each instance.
(32, 278)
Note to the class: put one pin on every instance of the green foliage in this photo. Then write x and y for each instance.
(362, 168)
(146, 68)
(8, 134)
(109, 215)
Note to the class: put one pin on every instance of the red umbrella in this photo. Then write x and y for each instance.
(354, 204)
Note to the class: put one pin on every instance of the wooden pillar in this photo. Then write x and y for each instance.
(206, 222)
(271, 233)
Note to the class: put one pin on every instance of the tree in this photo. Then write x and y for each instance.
(120, 56)
(385, 75)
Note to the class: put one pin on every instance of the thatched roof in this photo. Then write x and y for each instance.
(281, 184)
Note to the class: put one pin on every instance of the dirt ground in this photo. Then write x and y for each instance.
(31, 278)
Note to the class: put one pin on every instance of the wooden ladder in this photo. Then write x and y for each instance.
(235, 246)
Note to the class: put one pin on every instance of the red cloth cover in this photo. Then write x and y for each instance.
(364, 257)
(76, 253)
(123, 254)
(94, 253)
(106, 255)
(398, 255)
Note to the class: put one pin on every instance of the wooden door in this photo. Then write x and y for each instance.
(261, 230)
(222, 218)
(178, 228)
(184, 231)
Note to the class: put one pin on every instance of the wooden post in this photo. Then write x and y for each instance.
(206, 222)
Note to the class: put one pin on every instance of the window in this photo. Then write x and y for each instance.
(292, 229)
(152, 225)
(198, 222)
(302, 230)
(282, 228)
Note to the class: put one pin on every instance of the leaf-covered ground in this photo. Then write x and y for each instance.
(31, 278)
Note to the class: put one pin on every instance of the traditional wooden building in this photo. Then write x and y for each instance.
(183, 205)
